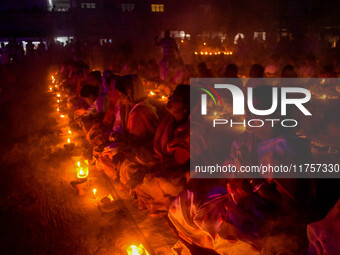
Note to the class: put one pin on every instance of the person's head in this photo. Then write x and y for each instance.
(94, 78)
(231, 71)
(288, 71)
(129, 89)
(179, 102)
(89, 93)
(256, 71)
(328, 72)
(107, 76)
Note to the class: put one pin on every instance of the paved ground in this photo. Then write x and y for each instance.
(40, 212)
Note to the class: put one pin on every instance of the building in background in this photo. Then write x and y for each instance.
(137, 20)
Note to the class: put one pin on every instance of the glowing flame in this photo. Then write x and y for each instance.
(206, 53)
(136, 250)
(57, 109)
(56, 86)
(152, 93)
(163, 97)
(58, 101)
(204, 43)
(196, 53)
(182, 41)
(62, 116)
(82, 173)
(68, 140)
(50, 88)
(324, 96)
(58, 95)
(69, 132)
(78, 163)
(201, 52)
(110, 197)
(94, 191)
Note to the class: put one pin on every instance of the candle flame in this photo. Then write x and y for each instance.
(324, 96)
(50, 88)
(78, 163)
(204, 43)
(58, 95)
(57, 109)
(94, 191)
(68, 140)
(81, 172)
(62, 116)
(69, 132)
(137, 250)
(152, 93)
(195, 52)
(58, 100)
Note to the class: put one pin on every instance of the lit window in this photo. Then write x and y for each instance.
(128, 7)
(88, 5)
(157, 7)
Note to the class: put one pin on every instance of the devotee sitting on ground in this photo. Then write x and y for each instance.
(134, 126)
(168, 171)
(95, 110)
(99, 133)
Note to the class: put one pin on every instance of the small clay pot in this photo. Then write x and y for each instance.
(79, 185)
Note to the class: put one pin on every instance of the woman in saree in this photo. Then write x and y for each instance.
(134, 127)
(168, 172)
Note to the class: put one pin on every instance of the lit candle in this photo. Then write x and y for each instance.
(58, 95)
(57, 109)
(68, 140)
(195, 52)
(152, 93)
(94, 192)
(324, 96)
(62, 116)
(69, 132)
(50, 88)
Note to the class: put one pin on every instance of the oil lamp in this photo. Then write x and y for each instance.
(82, 172)
(137, 250)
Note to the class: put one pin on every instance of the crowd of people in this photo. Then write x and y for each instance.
(143, 142)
